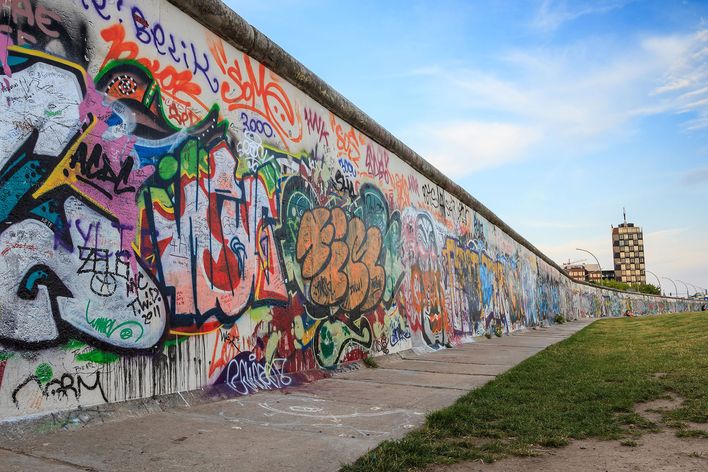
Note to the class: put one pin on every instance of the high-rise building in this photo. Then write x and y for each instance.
(628, 251)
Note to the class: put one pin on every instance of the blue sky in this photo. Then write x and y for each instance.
(554, 114)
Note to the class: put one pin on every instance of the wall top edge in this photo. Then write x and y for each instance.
(224, 22)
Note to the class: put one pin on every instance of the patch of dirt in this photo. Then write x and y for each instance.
(653, 410)
(660, 452)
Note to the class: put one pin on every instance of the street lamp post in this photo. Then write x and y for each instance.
(657, 279)
(688, 295)
(675, 287)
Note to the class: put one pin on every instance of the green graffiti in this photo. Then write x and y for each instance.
(371, 206)
(97, 356)
(44, 373)
(167, 168)
(296, 205)
(270, 176)
(333, 338)
(107, 326)
(6, 355)
(153, 94)
(326, 343)
(193, 158)
(72, 345)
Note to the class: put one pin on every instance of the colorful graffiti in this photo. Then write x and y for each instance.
(175, 215)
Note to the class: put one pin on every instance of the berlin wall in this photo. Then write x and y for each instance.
(182, 209)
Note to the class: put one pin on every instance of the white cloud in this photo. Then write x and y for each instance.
(460, 148)
(553, 13)
(686, 81)
(566, 101)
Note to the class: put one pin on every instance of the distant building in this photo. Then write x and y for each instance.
(608, 275)
(594, 272)
(628, 251)
(575, 271)
(583, 272)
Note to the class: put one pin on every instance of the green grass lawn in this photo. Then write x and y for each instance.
(583, 387)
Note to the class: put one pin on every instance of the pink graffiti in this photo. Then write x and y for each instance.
(5, 42)
(377, 162)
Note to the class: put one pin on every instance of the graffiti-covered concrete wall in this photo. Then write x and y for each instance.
(175, 215)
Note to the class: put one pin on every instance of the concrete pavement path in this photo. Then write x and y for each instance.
(316, 427)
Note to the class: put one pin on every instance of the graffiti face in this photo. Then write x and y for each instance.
(173, 214)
